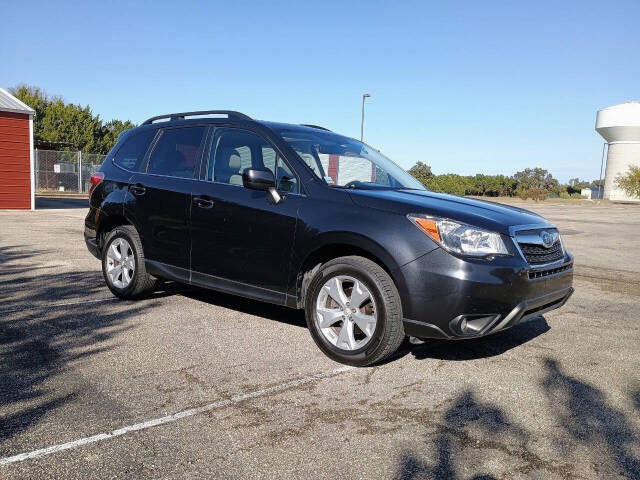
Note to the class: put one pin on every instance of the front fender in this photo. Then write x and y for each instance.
(387, 237)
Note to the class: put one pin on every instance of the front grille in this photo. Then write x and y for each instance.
(545, 273)
(537, 254)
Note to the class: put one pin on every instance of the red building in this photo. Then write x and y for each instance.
(16, 153)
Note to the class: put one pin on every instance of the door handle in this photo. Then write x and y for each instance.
(137, 189)
(203, 202)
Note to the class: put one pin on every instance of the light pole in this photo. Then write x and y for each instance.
(362, 124)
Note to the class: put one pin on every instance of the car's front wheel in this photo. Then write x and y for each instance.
(354, 312)
(123, 265)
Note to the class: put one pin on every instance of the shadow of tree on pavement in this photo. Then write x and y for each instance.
(474, 441)
(39, 342)
(475, 434)
(585, 417)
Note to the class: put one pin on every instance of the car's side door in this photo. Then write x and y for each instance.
(242, 241)
(162, 197)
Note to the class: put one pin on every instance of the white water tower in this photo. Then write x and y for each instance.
(619, 125)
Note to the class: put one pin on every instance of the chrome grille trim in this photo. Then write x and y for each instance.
(530, 235)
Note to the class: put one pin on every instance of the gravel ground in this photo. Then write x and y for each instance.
(555, 397)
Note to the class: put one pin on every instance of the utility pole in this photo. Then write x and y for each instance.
(366, 95)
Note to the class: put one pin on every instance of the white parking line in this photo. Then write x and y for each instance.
(56, 305)
(171, 418)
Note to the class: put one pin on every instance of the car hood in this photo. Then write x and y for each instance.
(488, 215)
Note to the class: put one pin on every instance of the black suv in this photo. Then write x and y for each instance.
(299, 216)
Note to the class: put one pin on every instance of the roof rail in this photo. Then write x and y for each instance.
(314, 126)
(181, 116)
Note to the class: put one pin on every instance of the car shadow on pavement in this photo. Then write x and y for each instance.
(475, 437)
(40, 339)
(279, 313)
(484, 347)
(470, 349)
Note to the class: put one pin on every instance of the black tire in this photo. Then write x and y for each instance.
(141, 282)
(389, 331)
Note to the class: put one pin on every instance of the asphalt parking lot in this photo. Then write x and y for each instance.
(195, 384)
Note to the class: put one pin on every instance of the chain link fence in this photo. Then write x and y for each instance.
(59, 171)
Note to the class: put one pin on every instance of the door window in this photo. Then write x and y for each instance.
(233, 151)
(131, 154)
(285, 178)
(176, 153)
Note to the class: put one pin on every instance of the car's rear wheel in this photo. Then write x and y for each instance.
(123, 265)
(354, 312)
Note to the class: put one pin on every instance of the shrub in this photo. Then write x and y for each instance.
(524, 194)
(539, 194)
(630, 182)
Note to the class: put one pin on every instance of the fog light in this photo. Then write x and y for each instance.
(472, 325)
(463, 325)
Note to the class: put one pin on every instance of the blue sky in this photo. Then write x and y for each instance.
(466, 87)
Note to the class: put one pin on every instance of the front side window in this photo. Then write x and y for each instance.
(285, 178)
(233, 151)
(345, 162)
(131, 154)
(176, 152)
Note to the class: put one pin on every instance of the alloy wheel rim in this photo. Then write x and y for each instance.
(346, 313)
(120, 263)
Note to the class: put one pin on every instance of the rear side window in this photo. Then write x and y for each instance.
(130, 155)
(177, 152)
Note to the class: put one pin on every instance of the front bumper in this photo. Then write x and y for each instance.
(445, 292)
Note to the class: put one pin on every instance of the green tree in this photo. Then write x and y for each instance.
(507, 186)
(110, 132)
(421, 172)
(538, 182)
(480, 184)
(449, 183)
(37, 99)
(491, 185)
(71, 124)
(630, 182)
(58, 121)
(535, 178)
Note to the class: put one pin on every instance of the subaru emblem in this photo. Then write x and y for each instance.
(547, 239)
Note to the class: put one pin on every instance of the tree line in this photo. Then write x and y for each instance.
(534, 183)
(72, 126)
(75, 127)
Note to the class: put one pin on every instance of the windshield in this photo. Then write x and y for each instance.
(348, 163)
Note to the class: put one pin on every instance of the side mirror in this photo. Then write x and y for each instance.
(258, 179)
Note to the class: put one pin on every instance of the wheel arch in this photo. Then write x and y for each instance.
(108, 221)
(332, 246)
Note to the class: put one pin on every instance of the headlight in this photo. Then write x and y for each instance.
(460, 238)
